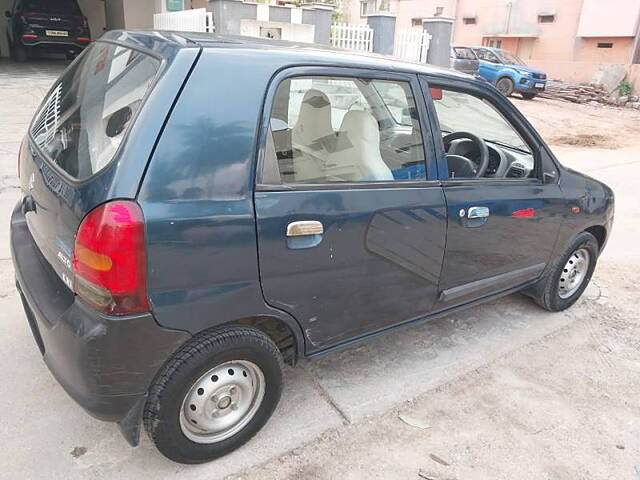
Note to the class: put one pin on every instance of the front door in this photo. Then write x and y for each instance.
(490, 64)
(351, 231)
(503, 217)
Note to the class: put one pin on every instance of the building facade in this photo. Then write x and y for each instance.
(570, 39)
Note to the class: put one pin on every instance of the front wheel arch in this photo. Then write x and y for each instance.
(600, 232)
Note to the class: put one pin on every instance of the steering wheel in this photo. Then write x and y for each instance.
(458, 160)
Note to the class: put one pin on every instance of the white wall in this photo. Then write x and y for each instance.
(294, 32)
(138, 14)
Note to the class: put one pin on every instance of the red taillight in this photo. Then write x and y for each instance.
(29, 36)
(109, 260)
(84, 39)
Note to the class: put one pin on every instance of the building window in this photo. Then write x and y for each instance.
(469, 20)
(363, 8)
(605, 45)
(494, 42)
(416, 22)
(439, 11)
(546, 18)
(372, 6)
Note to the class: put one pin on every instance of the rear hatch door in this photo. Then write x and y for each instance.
(68, 160)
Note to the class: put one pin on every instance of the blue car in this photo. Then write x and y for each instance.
(197, 210)
(509, 73)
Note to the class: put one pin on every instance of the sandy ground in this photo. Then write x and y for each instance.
(503, 391)
(570, 124)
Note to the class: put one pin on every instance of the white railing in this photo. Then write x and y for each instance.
(412, 45)
(196, 20)
(352, 37)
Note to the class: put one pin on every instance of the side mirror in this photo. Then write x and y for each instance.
(549, 177)
(118, 122)
(7, 13)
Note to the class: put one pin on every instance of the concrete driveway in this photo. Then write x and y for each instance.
(46, 435)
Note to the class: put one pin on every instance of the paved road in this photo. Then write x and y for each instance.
(44, 434)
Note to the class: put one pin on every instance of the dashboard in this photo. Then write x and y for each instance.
(504, 162)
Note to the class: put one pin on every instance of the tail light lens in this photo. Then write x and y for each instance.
(109, 259)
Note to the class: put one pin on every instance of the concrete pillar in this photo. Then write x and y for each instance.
(384, 32)
(228, 15)
(440, 30)
(319, 14)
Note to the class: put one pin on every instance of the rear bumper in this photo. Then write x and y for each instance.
(63, 44)
(104, 363)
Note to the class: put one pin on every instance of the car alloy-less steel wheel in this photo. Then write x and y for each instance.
(222, 401)
(574, 273)
(214, 394)
(568, 275)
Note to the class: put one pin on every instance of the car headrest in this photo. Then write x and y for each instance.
(314, 120)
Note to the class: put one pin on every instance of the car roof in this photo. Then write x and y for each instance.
(284, 53)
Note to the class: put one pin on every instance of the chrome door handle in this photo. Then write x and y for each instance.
(304, 228)
(478, 212)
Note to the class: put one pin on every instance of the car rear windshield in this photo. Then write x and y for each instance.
(83, 121)
(464, 53)
(69, 7)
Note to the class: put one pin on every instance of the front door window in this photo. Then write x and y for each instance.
(480, 142)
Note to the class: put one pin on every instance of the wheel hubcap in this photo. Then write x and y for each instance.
(573, 273)
(222, 401)
(503, 87)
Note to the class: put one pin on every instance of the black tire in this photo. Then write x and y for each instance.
(19, 53)
(528, 96)
(547, 292)
(505, 86)
(162, 411)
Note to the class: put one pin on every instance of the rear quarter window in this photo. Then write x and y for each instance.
(83, 121)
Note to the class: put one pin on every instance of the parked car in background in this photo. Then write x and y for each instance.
(509, 73)
(464, 60)
(49, 25)
(171, 256)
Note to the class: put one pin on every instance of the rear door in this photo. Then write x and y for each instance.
(503, 225)
(351, 220)
(74, 136)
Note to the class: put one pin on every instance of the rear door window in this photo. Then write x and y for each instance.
(327, 129)
(83, 121)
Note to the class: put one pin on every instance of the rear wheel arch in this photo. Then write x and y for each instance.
(287, 337)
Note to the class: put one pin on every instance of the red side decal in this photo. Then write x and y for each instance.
(524, 213)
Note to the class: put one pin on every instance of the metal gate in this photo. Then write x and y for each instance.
(196, 20)
(352, 36)
(412, 45)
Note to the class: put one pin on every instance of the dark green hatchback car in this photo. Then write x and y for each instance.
(197, 210)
